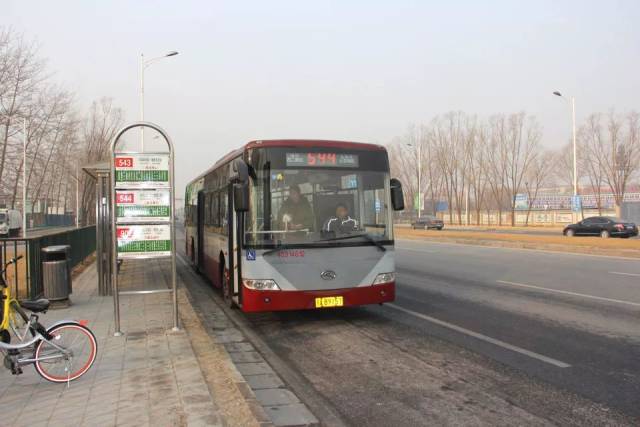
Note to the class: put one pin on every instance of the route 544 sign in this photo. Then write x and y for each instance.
(143, 205)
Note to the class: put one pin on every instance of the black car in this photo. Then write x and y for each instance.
(603, 226)
(426, 222)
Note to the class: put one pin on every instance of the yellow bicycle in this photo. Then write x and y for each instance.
(14, 318)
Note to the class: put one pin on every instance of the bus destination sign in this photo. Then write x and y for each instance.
(143, 205)
(143, 240)
(332, 160)
(142, 170)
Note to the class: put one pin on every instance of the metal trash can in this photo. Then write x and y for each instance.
(56, 273)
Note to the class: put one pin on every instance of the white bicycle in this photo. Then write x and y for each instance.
(61, 353)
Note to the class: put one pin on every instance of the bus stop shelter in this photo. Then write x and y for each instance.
(100, 172)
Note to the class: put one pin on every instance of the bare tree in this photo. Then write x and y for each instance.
(99, 129)
(591, 139)
(618, 153)
(522, 148)
(538, 174)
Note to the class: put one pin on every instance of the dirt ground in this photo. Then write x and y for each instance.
(588, 245)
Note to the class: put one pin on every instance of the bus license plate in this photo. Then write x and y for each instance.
(329, 302)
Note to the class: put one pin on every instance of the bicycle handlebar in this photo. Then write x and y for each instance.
(11, 261)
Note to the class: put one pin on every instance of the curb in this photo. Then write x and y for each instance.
(263, 389)
(233, 396)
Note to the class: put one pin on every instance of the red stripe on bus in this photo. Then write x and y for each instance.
(253, 300)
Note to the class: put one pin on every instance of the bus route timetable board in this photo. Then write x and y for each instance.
(142, 213)
(142, 204)
(142, 170)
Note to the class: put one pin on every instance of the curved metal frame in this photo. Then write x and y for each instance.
(114, 245)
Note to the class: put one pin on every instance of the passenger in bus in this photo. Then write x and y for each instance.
(340, 223)
(296, 213)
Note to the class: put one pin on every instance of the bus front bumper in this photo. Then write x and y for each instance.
(253, 300)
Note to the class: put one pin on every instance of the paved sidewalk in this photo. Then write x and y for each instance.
(149, 376)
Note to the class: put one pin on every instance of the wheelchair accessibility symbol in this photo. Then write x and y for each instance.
(251, 255)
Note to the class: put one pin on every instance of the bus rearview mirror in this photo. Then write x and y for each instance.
(241, 197)
(397, 198)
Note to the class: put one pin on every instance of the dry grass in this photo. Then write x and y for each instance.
(591, 245)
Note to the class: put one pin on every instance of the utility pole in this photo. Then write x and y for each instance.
(24, 177)
(575, 149)
(77, 198)
(420, 178)
(142, 101)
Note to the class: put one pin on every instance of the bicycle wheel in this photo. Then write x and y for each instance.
(70, 336)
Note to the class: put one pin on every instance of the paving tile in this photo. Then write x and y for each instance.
(238, 346)
(262, 381)
(254, 368)
(246, 356)
(275, 396)
(291, 415)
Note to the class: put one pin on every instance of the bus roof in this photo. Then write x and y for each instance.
(292, 143)
(313, 143)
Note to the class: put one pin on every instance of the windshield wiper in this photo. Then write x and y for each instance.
(278, 246)
(351, 236)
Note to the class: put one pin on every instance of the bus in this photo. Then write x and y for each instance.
(296, 224)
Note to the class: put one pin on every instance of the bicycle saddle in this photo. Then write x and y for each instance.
(36, 306)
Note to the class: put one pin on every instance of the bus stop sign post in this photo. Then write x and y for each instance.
(143, 212)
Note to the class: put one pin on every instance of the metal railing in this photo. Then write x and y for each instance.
(26, 277)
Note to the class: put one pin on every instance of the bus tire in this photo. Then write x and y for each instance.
(226, 289)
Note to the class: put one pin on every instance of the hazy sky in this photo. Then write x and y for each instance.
(351, 70)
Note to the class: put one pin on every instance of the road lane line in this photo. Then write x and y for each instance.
(482, 337)
(575, 294)
(625, 274)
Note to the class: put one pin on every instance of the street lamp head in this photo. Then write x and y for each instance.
(172, 53)
(556, 93)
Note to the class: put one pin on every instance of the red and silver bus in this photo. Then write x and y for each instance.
(296, 224)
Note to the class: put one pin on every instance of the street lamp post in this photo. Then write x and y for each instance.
(144, 64)
(575, 148)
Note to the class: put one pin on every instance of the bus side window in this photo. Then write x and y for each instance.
(223, 212)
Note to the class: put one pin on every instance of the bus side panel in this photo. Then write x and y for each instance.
(215, 244)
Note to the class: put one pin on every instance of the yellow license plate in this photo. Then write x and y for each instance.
(324, 302)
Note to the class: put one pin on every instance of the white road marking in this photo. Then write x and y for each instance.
(624, 274)
(575, 294)
(482, 337)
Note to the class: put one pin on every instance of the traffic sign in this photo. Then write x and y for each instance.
(576, 203)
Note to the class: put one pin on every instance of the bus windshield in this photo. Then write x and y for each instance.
(318, 207)
(3, 218)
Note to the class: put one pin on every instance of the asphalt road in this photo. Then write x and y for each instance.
(477, 335)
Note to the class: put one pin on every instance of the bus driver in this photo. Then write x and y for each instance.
(341, 222)
(295, 212)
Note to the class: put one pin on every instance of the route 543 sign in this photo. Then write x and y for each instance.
(141, 170)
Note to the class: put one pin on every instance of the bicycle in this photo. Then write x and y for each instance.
(61, 353)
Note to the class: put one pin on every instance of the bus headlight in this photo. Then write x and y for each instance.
(261, 284)
(384, 278)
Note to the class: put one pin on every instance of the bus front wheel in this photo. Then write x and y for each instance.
(226, 290)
